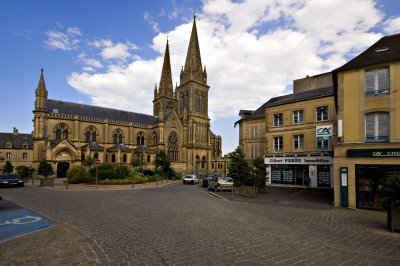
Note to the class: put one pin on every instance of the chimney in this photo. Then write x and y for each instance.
(15, 131)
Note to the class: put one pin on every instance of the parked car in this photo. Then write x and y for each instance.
(190, 179)
(207, 178)
(221, 182)
(10, 180)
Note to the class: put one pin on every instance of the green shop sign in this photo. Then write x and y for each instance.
(373, 153)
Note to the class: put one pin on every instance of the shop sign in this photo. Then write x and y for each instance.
(324, 132)
(373, 153)
(299, 160)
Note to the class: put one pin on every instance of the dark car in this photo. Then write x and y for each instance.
(10, 180)
(207, 179)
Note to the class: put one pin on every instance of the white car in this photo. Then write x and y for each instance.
(190, 179)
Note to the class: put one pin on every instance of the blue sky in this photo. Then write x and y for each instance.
(109, 53)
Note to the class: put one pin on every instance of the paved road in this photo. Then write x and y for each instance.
(184, 225)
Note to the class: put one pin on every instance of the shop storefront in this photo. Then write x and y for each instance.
(360, 173)
(313, 171)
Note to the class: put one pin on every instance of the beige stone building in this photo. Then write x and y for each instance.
(285, 131)
(65, 132)
(16, 148)
(368, 117)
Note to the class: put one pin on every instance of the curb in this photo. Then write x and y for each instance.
(217, 196)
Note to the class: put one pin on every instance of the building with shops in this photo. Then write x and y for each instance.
(368, 116)
(294, 133)
(65, 133)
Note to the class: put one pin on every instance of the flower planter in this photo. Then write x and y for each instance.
(47, 182)
(394, 218)
(250, 191)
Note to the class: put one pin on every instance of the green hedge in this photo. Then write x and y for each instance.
(78, 174)
(111, 172)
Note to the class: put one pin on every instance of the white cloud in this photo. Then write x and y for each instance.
(392, 25)
(63, 40)
(74, 31)
(253, 50)
(88, 69)
(149, 19)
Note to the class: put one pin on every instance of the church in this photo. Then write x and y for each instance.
(65, 133)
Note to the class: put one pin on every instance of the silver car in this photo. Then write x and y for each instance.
(190, 179)
(221, 183)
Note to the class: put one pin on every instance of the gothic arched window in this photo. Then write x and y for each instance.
(96, 156)
(148, 158)
(173, 148)
(155, 141)
(90, 134)
(117, 135)
(124, 158)
(65, 134)
(140, 139)
(58, 134)
(203, 162)
(61, 131)
(113, 158)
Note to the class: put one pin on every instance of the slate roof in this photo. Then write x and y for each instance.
(143, 149)
(93, 146)
(371, 56)
(120, 146)
(289, 98)
(99, 112)
(385, 50)
(317, 93)
(16, 140)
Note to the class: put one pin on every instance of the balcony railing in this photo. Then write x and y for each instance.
(377, 92)
(376, 138)
(278, 150)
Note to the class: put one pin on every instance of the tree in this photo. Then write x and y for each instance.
(89, 160)
(137, 161)
(8, 167)
(259, 173)
(45, 169)
(24, 171)
(163, 163)
(239, 168)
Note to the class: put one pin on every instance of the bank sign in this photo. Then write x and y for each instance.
(324, 132)
(373, 153)
(299, 160)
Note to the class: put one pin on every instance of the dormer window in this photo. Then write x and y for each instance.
(382, 49)
(8, 145)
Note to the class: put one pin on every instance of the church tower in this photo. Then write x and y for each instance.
(165, 98)
(193, 105)
(39, 121)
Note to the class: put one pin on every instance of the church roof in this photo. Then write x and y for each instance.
(93, 146)
(143, 149)
(99, 112)
(16, 140)
(119, 146)
(166, 87)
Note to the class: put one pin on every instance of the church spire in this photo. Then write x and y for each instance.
(193, 68)
(41, 94)
(166, 87)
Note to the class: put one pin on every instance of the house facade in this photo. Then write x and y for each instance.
(293, 150)
(368, 117)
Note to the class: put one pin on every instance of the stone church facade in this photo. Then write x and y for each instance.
(65, 133)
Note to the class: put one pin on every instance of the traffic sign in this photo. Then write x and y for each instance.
(97, 161)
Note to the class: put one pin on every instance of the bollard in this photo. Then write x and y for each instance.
(232, 192)
(66, 184)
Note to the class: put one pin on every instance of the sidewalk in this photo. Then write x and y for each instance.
(59, 184)
(306, 198)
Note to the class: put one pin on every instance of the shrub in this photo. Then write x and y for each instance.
(139, 179)
(24, 171)
(8, 167)
(111, 171)
(115, 181)
(148, 172)
(78, 174)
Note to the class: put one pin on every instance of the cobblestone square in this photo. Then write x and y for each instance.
(185, 225)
